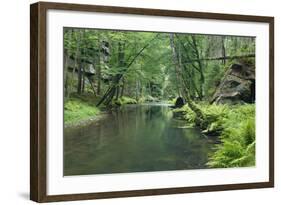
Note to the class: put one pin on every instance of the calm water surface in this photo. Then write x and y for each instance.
(135, 138)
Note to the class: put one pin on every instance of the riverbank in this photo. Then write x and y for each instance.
(81, 110)
(77, 111)
(235, 127)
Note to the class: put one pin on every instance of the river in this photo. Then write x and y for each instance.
(135, 138)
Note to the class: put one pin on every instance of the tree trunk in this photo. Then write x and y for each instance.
(176, 65)
(83, 78)
(223, 49)
(91, 84)
(137, 89)
(98, 66)
(202, 77)
(65, 73)
(77, 61)
(79, 84)
(251, 55)
(122, 88)
(117, 92)
(80, 63)
(191, 104)
(120, 76)
(191, 85)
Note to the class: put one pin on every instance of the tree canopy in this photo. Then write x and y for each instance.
(148, 65)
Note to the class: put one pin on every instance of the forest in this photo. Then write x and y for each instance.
(207, 81)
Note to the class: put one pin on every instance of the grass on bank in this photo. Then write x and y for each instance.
(76, 110)
(80, 107)
(235, 126)
(83, 107)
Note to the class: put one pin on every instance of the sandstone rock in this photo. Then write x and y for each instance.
(237, 85)
(179, 102)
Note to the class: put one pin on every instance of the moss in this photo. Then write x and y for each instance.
(76, 110)
(172, 101)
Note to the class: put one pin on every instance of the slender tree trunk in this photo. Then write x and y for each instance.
(79, 84)
(110, 96)
(80, 66)
(150, 88)
(251, 55)
(191, 104)
(121, 63)
(223, 49)
(117, 92)
(191, 85)
(122, 88)
(176, 66)
(137, 89)
(92, 85)
(99, 62)
(77, 57)
(111, 89)
(65, 73)
(202, 77)
(83, 79)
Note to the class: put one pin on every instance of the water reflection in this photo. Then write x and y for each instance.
(134, 138)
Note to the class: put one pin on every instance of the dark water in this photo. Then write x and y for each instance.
(136, 138)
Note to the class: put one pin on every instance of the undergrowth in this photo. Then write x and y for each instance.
(235, 126)
(76, 110)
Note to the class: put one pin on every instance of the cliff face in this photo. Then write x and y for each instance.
(237, 85)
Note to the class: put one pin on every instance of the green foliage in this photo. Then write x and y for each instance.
(147, 99)
(235, 126)
(149, 67)
(76, 110)
(187, 114)
(237, 148)
(124, 100)
(214, 114)
(214, 73)
(152, 72)
(172, 101)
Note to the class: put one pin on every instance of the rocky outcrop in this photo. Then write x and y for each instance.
(237, 85)
(179, 103)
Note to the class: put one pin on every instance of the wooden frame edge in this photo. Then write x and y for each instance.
(154, 192)
(153, 12)
(271, 100)
(37, 102)
(38, 93)
(34, 103)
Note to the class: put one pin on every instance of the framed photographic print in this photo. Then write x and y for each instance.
(134, 102)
